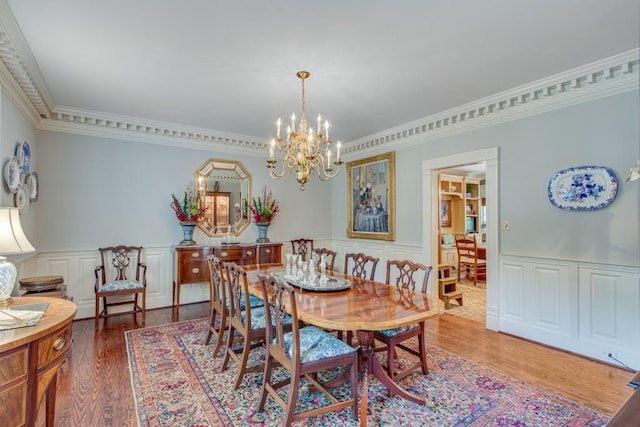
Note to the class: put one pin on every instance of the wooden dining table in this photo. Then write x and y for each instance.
(367, 306)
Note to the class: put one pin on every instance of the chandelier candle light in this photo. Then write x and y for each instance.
(305, 151)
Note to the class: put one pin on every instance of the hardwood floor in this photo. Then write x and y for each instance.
(94, 386)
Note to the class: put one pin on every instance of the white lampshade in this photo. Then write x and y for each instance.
(12, 242)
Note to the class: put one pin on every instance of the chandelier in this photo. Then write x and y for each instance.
(305, 151)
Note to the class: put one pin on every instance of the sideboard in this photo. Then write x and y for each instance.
(191, 265)
(30, 358)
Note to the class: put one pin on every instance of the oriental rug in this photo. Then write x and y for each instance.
(177, 382)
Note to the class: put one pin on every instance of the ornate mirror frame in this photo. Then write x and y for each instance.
(226, 184)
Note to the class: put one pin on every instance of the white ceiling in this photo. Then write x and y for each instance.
(230, 66)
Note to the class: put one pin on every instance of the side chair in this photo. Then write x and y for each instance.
(249, 324)
(331, 256)
(112, 280)
(405, 274)
(303, 352)
(220, 303)
(468, 258)
(302, 247)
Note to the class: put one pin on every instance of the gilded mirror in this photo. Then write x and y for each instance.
(224, 187)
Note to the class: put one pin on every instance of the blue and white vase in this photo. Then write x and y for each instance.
(187, 230)
(263, 227)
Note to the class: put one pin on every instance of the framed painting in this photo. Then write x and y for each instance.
(371, 197)
(445, 213)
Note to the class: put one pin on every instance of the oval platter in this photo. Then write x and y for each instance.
(332, 285)
(22, 200)
(23, 152)
(13, 174)
(32, 184)
(583, 188)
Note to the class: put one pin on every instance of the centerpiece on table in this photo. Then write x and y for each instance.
(263, 210)
(189, 212)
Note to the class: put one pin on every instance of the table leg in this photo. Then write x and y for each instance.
(372, 365)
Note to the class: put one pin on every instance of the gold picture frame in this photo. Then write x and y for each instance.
(371, 197)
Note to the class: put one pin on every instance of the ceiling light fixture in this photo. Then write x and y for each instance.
(305, 151)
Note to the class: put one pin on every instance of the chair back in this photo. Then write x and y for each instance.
(116, 261)
(302, 247)
(218, 286)
(362, 265)
(467, 249)
(405, 274)
(278, 296)
(331, 256)
(237, 294)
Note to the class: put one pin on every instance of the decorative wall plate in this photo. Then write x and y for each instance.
(32, 184)
(22, 200)
(13, 174)
(583, 188)
(23, 152)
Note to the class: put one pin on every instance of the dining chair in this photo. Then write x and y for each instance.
(303, 352)
(302, 247)
(331, 256)
(362, 265)
(246, 326)
(118, 263)
(468, 258)
(404, 274)
(220, 303)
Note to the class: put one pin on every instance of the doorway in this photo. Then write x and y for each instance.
(430, 209)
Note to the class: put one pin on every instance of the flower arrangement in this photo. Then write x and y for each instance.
(190, 210)
(265, 208)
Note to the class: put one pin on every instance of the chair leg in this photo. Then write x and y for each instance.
(212, 324)
(225, 362)
(144, 306)
(268, 366)
(354, 389)
(246, 349)
(293, 397)
(422, 348)
(220, 333)
(97, 313)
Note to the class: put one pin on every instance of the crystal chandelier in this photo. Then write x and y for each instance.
(305, 151)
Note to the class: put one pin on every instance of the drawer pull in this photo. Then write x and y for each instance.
(195, 254)
(195, 270)
(224, 254)
(268, 251)
(59, 343)
(249, 253)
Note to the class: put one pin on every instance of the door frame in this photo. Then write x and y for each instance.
(430, 201)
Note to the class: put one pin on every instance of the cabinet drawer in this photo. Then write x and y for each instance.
(269, 254)
(13, 365)
(194, 271)
(54, 346)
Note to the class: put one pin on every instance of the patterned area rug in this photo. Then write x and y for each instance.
(176, 382)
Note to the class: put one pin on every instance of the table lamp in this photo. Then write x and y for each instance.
(12, 242)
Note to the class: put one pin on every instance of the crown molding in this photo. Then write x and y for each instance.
(607, 77)
(22, 81)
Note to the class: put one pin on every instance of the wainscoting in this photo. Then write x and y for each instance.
(590, 309)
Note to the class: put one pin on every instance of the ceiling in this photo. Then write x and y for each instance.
(230, 66)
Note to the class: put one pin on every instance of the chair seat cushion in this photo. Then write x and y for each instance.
(390, 333)
(254, 302)
(316, 344)
(258, 318)
(118, 285)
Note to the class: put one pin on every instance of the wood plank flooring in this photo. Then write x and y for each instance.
(94, 386)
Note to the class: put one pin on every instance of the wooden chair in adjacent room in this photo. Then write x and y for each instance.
(247, 327)
(405, 274)
(220, 302)
(303, 352)
(331, 257)
(118, 264)
(303, 247)
(468, 258)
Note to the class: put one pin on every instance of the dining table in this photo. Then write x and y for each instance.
(365, 306)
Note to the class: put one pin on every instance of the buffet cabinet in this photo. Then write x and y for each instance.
(29, 361)
(191, 265)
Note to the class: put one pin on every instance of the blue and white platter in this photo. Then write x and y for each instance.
(13, 174)
(583, 188)
(23, 152)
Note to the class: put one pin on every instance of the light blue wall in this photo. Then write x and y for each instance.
(604, 132)
(99, 191)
